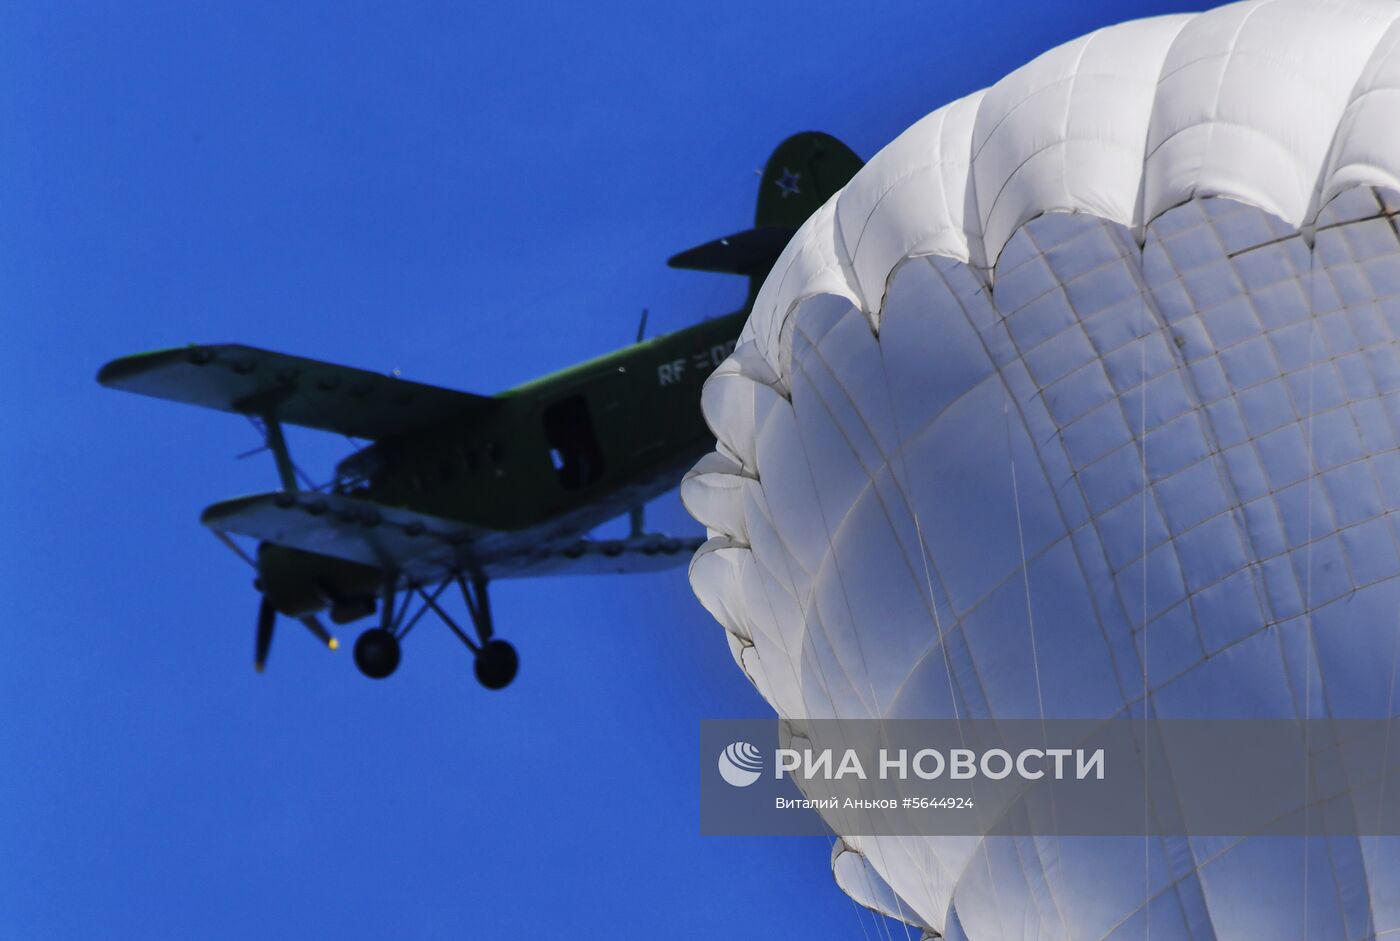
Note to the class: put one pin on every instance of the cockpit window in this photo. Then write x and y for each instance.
(358, 471)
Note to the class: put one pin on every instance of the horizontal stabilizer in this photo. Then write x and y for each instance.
(803, 173)
(424, 547)
(747, 253)
(290, 389)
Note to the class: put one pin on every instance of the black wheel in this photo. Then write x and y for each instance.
(496, 664)
(377, 653)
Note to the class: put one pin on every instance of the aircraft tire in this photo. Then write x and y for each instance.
(377, 653)
(496, 664)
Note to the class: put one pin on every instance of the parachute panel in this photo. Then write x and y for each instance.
(1082, 399)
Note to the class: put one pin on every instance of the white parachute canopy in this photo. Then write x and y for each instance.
(1082, 399)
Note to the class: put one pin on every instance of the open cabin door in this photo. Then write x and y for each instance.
(587, 431)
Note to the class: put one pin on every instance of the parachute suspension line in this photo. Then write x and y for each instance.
(826, 691)
(1025, 573)
(1153, 322)
(879, 848)
(1055, 897)
(876, 844)
(1030, 624)
(782, 638)
(855, 909)
(928, 584)
(1021, 538)
(933, 603)
(1394, 665)
(831, 548)
(797, 681)
(1146, 687)
(1385, 757)
(907, 488)
(797, 685)
(1308, 568)
(881, 923)
(845, 594)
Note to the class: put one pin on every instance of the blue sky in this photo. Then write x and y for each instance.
(475, 195)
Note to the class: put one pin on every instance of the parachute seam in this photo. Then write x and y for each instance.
(1045, 210)
(929, 569)
(1327, 171)
(850, 612)
(1069, 530)
(833, 534)
(1215, 453)
(958, 230)
(1064, 132)
(999, 374)
(804, 608)
(1008, 396)
(821, 671)
(1026, 100)
(1395, 652)
(1198, 192)
(1310, 637)
(813, 350)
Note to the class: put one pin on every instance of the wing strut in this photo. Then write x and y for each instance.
(278, 443)
(478, 606)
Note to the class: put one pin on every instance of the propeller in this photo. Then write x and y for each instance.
(267, 620)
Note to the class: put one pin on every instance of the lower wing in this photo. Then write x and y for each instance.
(425, 547)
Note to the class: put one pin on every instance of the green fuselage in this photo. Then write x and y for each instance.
(457, 484)
(629, 420)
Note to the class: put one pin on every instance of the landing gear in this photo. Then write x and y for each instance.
(496, 663)
(377, 652)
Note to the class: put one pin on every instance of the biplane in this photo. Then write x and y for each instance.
(455, 489)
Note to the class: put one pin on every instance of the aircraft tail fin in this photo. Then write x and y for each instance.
(803, 172)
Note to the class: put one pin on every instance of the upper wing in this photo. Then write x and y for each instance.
(427, 547)
(291, 389)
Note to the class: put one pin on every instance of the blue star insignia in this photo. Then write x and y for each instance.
(788, 183)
